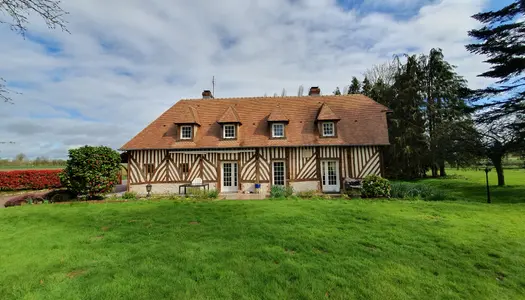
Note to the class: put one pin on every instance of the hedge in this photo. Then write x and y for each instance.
(29, 180)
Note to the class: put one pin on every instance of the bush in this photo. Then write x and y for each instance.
(406, 190)
(91, 171)
(130, 196)
(279, 191)
(307, 194)
(375, 187)
(60, 196)
(29, 180)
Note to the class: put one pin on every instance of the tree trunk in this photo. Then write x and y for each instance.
(496, 160)
(442, 171)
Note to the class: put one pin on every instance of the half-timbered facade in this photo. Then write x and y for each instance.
(234, 144)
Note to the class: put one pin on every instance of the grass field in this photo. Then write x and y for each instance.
(469, 185)
(272, 249)
(308, 249)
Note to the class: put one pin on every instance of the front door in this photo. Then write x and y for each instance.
(330, 176)
(229, 177)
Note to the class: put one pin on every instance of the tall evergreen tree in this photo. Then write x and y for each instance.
(355, 86)
(337, 92)
(502, 40)
(366, 87)
(406, 154)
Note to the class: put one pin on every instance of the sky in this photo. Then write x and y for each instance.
(125, 62)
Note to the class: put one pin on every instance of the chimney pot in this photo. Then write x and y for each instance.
(314, 91)
(206, 94)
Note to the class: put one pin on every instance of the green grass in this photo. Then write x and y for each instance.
(469, 185)
(294, 249)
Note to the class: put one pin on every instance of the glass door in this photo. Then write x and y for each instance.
(330, 176)
(229, 177)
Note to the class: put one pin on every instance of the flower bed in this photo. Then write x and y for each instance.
(29, 180)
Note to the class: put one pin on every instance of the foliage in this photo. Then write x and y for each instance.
(130, 196)
(355, 86)
(375, 187)
(279, 191)
(307, 194)
(296, 249)
(91, 171)
(337, 92)
(430, 123)
(405, 190)
(366, 87)
(501, 39)
(29, 179)
(203, 194)
(60, 196)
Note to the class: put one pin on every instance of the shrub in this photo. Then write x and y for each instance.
(91, 171)
(29, 180)
(60, 196)
(278, 191)
(205, 194)
(406, 190)
(307, 194)
(130, 196)
(375, 187)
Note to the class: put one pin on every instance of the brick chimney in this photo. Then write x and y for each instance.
(206, 94)
(314, 91)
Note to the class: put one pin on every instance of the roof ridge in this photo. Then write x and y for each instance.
(263, 97)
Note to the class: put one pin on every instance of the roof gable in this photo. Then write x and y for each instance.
(277, 115)
(229, 116)
(188, 115)
(327, 114)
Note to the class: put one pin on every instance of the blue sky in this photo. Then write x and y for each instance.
(126, 61)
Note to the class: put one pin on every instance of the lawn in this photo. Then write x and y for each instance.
(280, 249)
(469, 185)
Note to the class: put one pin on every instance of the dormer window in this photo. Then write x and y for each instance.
(278, 130)
(328, 129)
(228, 131)
(186, 132)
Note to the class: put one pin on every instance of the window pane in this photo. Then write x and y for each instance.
(229, 131)
(278, 130)
(278, 173)
(328, 129)
(332, 176)
(185, 132)
(227, 174)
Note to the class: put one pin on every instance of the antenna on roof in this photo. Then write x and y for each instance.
(346, 89)
(213, 86)
(300, 91)
(283, 93)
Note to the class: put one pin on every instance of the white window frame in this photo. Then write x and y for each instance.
(284, 172)
(182, 137)
(224, 132)
(324, 129)
(273, 130)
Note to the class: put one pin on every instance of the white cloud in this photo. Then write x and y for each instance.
(126, 61)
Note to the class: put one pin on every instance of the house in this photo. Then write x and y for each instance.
(309, 143)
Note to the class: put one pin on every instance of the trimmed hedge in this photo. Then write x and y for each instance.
(29, 180)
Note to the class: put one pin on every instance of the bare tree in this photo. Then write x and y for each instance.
(15, 14)
(384, 72)
(19, 10)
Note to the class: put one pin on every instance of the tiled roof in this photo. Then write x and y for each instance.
(229, 116)
(187, 115)
(363, 122)
(277, 115)
(327, 114)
